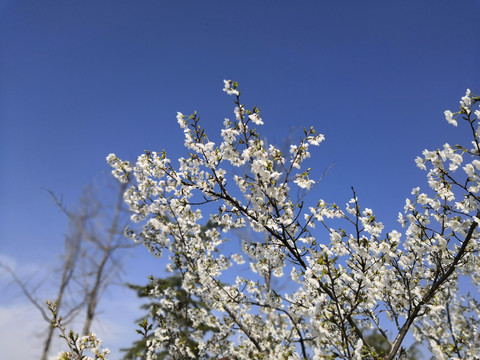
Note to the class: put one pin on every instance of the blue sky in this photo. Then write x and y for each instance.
(81, 79)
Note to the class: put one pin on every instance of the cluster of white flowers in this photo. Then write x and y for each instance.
(121, 169)
(82, 344)
(78, 344)
(345, 277)
(231, 87)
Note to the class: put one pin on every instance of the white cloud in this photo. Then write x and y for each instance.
(21, 330)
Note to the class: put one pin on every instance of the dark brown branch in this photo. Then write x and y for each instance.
(431, 292)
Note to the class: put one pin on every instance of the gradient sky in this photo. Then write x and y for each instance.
(81, 79)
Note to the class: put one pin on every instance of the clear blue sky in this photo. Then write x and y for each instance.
(81, 79)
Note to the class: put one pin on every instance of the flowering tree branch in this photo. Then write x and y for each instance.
(344, 276)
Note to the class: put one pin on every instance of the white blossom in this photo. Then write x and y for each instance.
(341, 272)
(230, 88)
(450, 119)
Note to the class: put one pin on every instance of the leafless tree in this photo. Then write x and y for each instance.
(89, 261)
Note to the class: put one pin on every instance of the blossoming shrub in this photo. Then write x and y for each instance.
(351, 277)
